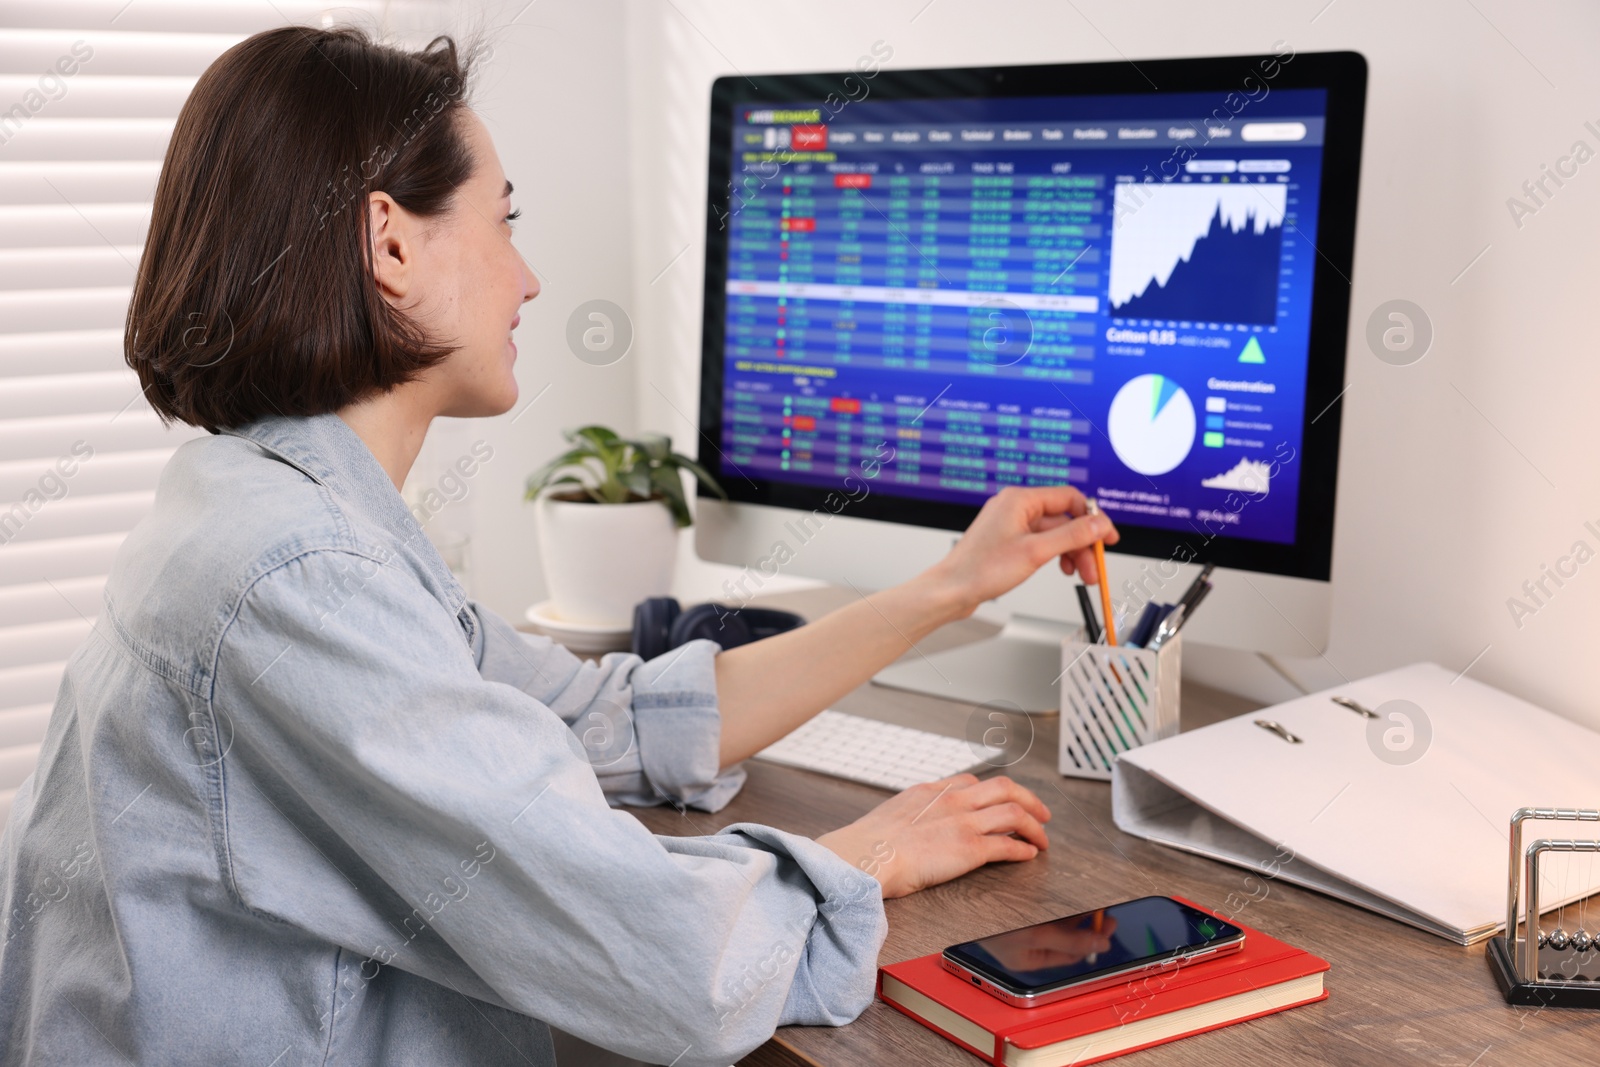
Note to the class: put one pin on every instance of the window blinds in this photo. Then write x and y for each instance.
(89, 91)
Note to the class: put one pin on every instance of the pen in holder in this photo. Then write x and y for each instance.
(1114, 698)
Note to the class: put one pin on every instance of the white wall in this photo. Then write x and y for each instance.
(1461, 474)
(552, 93)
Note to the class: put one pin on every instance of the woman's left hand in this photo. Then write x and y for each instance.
(1017, 532)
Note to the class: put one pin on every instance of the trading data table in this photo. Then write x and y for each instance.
(1023, 299)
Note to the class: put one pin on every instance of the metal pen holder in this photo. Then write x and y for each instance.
(1556, 970)
(1114, 699)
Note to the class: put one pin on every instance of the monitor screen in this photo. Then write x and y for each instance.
(951, 294)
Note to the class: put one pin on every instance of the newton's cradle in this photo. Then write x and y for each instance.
(1556, 969)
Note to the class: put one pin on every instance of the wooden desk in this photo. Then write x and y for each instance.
(1398, 995)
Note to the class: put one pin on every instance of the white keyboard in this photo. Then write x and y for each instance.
(876, 753)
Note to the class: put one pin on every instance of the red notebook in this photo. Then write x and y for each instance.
(1265, 976)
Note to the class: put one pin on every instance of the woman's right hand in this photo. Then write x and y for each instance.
(940, 830)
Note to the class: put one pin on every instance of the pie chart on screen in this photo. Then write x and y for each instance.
(1151, 424)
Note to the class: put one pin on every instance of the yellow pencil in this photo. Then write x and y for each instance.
(1105, 586)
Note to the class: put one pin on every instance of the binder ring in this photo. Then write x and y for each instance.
(1277, 728)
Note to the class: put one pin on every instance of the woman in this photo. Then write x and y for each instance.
(301, 801)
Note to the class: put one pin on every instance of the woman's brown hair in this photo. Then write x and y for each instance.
(254, 294)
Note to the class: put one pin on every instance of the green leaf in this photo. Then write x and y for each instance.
(613, 491)
(575, 459)
(572, 457)
(655, 446)
(596, 441)
(699, 472)
(588, 490)
(612, 453)
(601, 437)
(637, 481)
(614, 470)
(669, 484)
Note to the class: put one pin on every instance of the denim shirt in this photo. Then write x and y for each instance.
(303, 802)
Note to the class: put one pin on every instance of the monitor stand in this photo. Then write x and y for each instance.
(1020, 665)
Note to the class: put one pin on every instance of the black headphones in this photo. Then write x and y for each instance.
(660, 624)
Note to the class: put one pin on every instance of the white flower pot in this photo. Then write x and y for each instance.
(602, 559)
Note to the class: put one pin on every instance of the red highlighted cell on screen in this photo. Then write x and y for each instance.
(852, 181)
(805, 422)
(840, 403)
(804, 224)
(808, 138)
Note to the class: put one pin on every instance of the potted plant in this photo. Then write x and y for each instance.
(608, 511)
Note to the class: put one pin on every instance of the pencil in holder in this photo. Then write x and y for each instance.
(1114, 698)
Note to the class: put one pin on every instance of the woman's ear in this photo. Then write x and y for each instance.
(393, 246)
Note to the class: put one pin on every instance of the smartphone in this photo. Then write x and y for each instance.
(1092, 950)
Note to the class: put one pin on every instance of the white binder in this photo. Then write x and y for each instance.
(1425, 842)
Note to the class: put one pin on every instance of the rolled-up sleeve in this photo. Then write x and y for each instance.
(827, 988)
(651, 729)
(384, 796)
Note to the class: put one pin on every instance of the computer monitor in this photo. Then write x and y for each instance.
(1133, 278)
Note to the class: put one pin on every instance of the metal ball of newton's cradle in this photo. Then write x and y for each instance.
(1581, 941)
(1544, 939)
(1560, 939)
